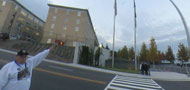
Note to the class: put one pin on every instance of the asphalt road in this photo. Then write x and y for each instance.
(171, 85)
(49, 76)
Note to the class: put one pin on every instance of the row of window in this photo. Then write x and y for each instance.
(66, 20)
(64, 27)
(67, 12)
(31, 17)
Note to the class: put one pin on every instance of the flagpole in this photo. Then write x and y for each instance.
(113, 49)
(113, 52)
(135, 25)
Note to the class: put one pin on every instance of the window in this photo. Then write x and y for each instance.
(50, 34)
(41, 23)
(66, 20)
(20, 19)
(49, 40)
(63, 35)
(16, 7)
(79, 13)
(67, 12)
(65, 27)
(30, 17)
(4, 3)
(78, 21)
(52, 26)
(36, 20)
(76, 29)
(56, 10)
(23, 13)
(54, 18)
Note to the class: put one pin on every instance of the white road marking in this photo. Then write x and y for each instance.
(132, 83)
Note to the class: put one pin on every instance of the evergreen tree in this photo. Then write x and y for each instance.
(153, 53)
(169, 54)
(163, 57)
(182, 53)
(124, 52)
(143, 53)
(107, 47)
(159, 56)
(131, 53)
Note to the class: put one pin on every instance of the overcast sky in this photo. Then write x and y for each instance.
(155, 18)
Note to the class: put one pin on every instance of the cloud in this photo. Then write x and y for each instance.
(155, 18)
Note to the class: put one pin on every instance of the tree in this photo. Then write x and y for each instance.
(162, 57)
(153, 53)
(131, 53)
(86, 56)
(143, 53)
(98, 53)
(115, 53)
(102, 45)
(124, 52)
(159, 56)
(107, 47)
(182, 53)
(169, 54)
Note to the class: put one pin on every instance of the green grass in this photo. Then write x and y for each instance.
(122, 70)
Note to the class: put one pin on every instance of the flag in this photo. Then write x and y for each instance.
(115, 7)
(135, 15)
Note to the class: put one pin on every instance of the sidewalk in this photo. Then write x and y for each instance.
(166, 76)
(169, 76)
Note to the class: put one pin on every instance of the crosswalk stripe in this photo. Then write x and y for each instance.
(138, 80)
(134, 87)
(131, 83)
(136, 84)
(132, 78)
(118, 88)
(135, 81)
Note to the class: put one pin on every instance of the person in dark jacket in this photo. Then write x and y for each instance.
(142, 69)
(146, 68)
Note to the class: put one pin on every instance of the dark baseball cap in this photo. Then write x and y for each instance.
(22, 52)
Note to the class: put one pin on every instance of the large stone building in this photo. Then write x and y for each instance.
(69, 25)
(19, 22)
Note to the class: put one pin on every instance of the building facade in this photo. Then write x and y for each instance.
(69, 25)
(19, 22)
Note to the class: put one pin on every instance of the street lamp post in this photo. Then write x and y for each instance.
(185, 26)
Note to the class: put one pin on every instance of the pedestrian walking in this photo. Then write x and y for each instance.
(148, 67)
(17, 74)
(142, 69)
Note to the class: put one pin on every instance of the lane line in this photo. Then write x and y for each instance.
(64, 75)
(70, 76)
(60, 68)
